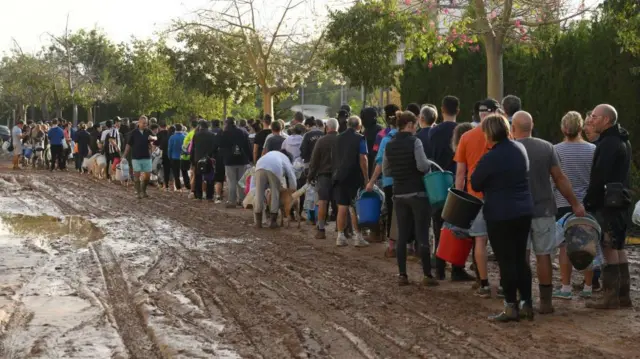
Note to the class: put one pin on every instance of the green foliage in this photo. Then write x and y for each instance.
(583, 67)
(148, 80)
(364, 41)
(625, 16)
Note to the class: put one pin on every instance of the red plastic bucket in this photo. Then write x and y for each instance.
(452, 249)
(247, 185)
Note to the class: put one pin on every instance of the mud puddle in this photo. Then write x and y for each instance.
(79, 230)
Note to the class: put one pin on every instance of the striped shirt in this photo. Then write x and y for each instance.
(576, 159)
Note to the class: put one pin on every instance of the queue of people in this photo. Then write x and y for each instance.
(526, 183)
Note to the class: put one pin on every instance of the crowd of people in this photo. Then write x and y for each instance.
(526, 183)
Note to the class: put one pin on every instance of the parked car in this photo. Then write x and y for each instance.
(5, 133)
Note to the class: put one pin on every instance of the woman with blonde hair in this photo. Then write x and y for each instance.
(576, 157)
(502, 174)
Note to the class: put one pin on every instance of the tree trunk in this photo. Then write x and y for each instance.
(59, 112)
(267, 102)
(224, 109)
(495, 74)
(45, 111)
(75, 115)
(89, 114)
(32, 112)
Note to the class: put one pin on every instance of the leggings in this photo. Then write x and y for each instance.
(410, 214)
(388, 201)
(177, 168)
(509, 242)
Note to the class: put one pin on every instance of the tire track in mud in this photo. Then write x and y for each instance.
(136, 335)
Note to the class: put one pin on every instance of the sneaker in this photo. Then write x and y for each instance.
(596, 286)
(403, 280)
(359, 241)
(483, 292)
(218, 200)
(500, 292)
(562, 295)
(586, 294)
(341, 241)
(191, 195)
(430, 282)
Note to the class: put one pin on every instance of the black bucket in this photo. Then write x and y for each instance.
(461, 208)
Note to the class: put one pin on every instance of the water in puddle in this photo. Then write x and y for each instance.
(79, 229)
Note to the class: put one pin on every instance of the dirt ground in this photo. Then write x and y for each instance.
(88, 271)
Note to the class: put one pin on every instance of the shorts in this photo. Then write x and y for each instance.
(324, 187)
(479, 226)
(345, 194)
(143, 165)
(542, 237)
(614, 228)
(220, 175)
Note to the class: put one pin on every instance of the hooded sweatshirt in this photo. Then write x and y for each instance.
(292, 145)
(369, 117)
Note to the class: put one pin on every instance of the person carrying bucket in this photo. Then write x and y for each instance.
(404, 161)
(472, 146)
(608, 198)
(440, 151)
(543, 163)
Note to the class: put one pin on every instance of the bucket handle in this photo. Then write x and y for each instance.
(431, 163)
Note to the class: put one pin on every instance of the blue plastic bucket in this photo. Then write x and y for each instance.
(28, 152)
(368, 206)
(437, 185)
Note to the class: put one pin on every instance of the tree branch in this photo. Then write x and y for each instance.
(556, 21)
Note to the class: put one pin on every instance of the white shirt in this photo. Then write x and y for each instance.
(279, 164)
(16, 134)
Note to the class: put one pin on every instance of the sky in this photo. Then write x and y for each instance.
(29, 22)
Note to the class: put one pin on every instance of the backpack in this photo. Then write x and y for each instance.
(206, 165)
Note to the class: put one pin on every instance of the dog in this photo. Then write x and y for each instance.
(287, 202)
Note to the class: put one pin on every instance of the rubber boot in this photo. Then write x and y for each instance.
(625, 286)
(510, 314)
(611, 288)
(440, 269)
(145, 183)
(546, 303)
(257, 219)
(274, 221)
(526, 311)
(136, 185)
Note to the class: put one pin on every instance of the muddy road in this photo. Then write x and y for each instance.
(88, 271)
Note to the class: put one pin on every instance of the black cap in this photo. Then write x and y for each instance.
(488, 105)
(346, 108)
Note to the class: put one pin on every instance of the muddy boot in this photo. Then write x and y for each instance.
(546, 304)
(459, 274)
(257, 220)
(526, 311)
(274, 221)
(143, 188)
(510, 314)
(320, 234)
(625, 286)
(611, 288)
(136, 185)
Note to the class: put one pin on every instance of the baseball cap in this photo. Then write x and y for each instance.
(488, 105)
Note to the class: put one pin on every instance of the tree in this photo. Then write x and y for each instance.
(363, 42)
(626, 17)
(278, 57)
(147, 78)
(202, 64)
(24, 81)
(497, 23)
(89, 62)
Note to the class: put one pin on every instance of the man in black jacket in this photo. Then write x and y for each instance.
(236, 152)
(163, 143)
(350, 173)
(203, 148)
(607, 198)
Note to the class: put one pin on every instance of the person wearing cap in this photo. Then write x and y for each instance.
(473, 145)
(343, 115)
(16, 139)
(236, 151)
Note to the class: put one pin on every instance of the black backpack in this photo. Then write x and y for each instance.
(206, 165)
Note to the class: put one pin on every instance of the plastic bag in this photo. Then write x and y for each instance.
(460, 233)
(243, 180)
(298, 167)
(86, 163)
(636, 214)
(122, 171)
(310, 198)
